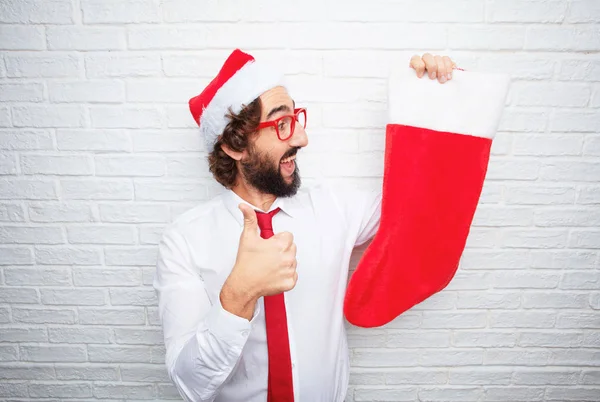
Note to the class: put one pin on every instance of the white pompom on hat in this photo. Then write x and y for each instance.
(240, 81)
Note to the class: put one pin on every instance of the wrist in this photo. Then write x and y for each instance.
(237, 300)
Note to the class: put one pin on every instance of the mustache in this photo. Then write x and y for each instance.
(291, 152)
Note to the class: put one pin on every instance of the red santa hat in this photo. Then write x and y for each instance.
(240, 81)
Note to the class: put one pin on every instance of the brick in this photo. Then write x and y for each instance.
(512, 169)
(565, 171)
(125, 354)
(41, 65)
(516, 357)
(572, 394)
(583, 11)
(9, 353)
(153, 316)
(580, 280)
(559, 259)
(554, 300)
(44, 315)
(26, 372)
(93, 140)
(562, 38)
(68, 256)
(450, 357)
(443, 320)
(116, 12)
(502, 394)
(125, 117)
(480, 376)
(502, 216)
(550, 339)
(178, 118)
(60, 390)
(63, 212)
(101, 234)
(488, 300)
(129, 165)
(21, 91)
(438, 301)
(74, 297)
(18, 295)
(473, 259)
(167, 391)
(590, 377)
(539, 195)
(183, 11)
(591, 146)
(486, 38)
(148, 274)
(4, 315)
(49, 116)
(19, 37)
(575, 357)
(86, 38)
(578, 320)
(30, 11)
(16, 256)
(124, 391)
(87, 372)
(548, 144)
(440, 339)
(524, 120)
(366, 377)
(38, 276)
(150, 235)
(22, 334)
(137, 336)
(133, 213)
(385, 394)
(8, 164)
(112, 316)
(575, 121)
(53, 353)
(122, 64)
(133, 297)
(550, 376)
(163, 141)
(5, 117)
(15, 189)
(484, 338)
(130, 256)
(102, 276)
(31, 235)
(144, 373)
(526, 11)
(24, 139)
(414, 376)
(525, 280)
(580, 70)
(534, 238)
(384, 358)
(470, 281)
(96, 91)
(79, 335)
(567, 217)
(161, 90)
(96, 189)
(11, 213)
(14, 390)
(172, 190)
(522, 319)
(585, 239)
(361, 340)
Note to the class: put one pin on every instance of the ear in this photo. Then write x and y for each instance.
(237, 156)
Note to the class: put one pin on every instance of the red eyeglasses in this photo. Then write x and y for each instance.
(285, 125)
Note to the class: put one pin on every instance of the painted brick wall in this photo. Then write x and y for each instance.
(98, 153)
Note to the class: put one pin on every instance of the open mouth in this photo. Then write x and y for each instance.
(288, 165)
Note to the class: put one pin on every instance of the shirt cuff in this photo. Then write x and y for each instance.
(228, 326)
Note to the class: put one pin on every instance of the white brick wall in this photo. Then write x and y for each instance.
(98, 153)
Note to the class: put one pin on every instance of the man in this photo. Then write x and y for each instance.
(251, 283)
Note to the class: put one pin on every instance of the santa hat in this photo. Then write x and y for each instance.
(241, 80)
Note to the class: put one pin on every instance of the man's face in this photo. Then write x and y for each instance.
(269, 164)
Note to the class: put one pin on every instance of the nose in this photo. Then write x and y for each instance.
(299, 138)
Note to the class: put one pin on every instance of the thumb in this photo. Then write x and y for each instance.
(250, 222)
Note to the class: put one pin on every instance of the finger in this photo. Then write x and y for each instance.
(430, 65)
(286, 239)
(293, 249)
(441, 69)
(250, 221)
(418, 64)
(449, 66)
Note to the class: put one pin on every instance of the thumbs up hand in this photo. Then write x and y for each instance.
(263, 267)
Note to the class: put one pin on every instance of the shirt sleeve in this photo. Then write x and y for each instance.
(362, 212)
(203, 341)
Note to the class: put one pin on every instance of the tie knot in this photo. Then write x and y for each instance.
(265, 220)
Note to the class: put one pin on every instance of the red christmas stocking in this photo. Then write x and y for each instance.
(436, 157)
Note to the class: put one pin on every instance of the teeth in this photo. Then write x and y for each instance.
(291, 158)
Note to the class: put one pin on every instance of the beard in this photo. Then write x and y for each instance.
(263, 173)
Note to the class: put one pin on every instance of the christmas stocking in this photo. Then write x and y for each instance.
(436, 156)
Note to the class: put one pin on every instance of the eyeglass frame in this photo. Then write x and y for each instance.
(275, 123)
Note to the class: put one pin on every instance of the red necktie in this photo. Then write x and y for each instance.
(281, 388)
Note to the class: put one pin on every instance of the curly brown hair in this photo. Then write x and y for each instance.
(236, 135)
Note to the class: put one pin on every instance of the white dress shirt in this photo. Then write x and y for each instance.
(214, 355)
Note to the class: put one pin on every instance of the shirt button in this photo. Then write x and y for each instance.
(245, 332)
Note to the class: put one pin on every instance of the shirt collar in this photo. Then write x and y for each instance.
(232, 200)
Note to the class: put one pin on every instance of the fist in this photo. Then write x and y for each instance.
(264, 266)
(439, 67)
